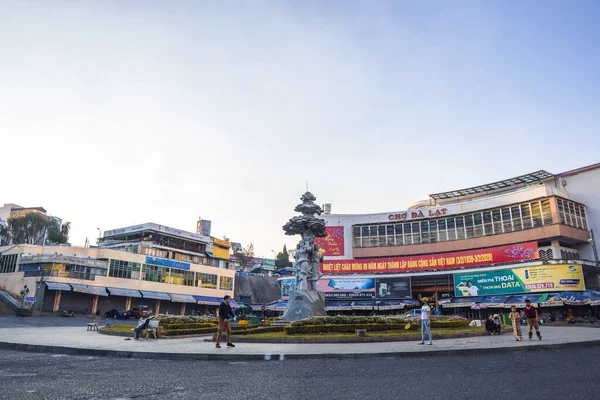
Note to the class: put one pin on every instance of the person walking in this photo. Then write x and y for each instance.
(225, 312)
(531, 313)
(425, 321)
(515, 316)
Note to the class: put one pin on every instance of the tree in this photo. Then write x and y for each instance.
(34, 228)
(4, 235)
(58, 235)
(245, 256)
(283, 259)
(30, 228)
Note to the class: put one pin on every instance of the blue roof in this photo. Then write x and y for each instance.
(466, 299)
(124, 292)
(494, 299)
(155, 295)
(58, 286)
(212, 301)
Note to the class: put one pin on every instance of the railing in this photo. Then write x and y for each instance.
(75, 275)
(39, 272)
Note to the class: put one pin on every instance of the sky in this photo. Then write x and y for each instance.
(115, 113)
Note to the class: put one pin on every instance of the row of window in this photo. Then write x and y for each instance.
(154, 252)
(156, 273)
(572, 214)
(481, 223)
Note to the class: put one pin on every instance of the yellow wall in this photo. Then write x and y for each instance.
(221, 253)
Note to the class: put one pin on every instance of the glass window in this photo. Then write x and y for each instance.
(373, 231)
(451, 228)
(516, 217)
(497, 221)
(583, 217)
(526, 215)
(206, 280)
(506, 220)
(124, 269)
(546, 212)
(536, 214)
(8, 263)
(424, 232)
(389, 230)
(478, 224)
(381, 230)
(155, 273)
(356, 231)
(460, 227)
(416, 233)
(433, 232)
(226, 283)
(442, 230)
(487, 223)
(365, 231)
(398, 229)
(469, 230)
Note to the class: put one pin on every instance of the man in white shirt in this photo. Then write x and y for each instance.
(473, 290)
(425, 321)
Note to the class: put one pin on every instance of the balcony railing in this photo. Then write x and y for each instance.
(75, 275)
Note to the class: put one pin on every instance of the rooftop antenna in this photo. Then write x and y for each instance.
(307, 185)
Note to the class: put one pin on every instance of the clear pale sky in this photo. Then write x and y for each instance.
(114, 113)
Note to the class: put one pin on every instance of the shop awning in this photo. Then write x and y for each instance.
(155, 295)
(278, 306)
(553, 300)
(234, 304)
(257, 307)
(124, 292)
(458, 302)
(95, 290)
(182, 298)
(575, 298)
(519, 300)
(58, 286)
(391, 305)
(340, 306)
(211, 301)
(410, 302)
(494, 301)
(365, 305)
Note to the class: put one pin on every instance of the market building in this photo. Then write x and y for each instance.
(496, 244)
(169, 270)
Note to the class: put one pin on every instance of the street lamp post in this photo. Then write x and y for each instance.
(99, 235)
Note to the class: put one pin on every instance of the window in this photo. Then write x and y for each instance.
(443, 234)
(506, 220)
(526, 216)
(497, 221)
(536, 214)
(433, 231)
(155, 273)
(487, 223)
(478, 224)
(206, 280)
(460, 227)
(225, 283)
(124, 269)
(424, 232)
(546, 212)
(182, 277)
(516, 218)
(8, 263)
(469, 230)
(416, 233)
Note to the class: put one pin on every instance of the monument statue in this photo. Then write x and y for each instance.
(306, 301)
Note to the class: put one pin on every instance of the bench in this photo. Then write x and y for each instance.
(93, 326)
(152, 329)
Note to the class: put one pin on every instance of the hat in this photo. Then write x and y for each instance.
(496, 316)
(425, 299)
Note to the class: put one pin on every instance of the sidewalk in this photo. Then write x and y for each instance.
(76, 340)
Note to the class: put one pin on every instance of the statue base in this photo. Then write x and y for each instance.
(305, 304)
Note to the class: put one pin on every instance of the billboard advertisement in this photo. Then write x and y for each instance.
(347, 288)
(333, 243)
(393, 288)
(287, 285)
(454, 260)
(541, 278)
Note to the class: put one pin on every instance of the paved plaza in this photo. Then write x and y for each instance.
(77, 340)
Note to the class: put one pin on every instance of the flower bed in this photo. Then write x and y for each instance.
(344, 324)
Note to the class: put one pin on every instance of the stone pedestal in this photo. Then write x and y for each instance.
(305, 304)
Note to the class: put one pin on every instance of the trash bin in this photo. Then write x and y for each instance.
(504, 318)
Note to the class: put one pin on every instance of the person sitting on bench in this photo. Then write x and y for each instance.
(143, 324)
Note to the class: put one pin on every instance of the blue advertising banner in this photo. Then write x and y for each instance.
(167, 263)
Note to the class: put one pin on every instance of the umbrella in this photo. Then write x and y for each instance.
(478, 307)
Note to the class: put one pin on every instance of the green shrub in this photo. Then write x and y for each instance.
(354, 320)
(189, 326)
(184, 319)
(180, 332)
(373, 327)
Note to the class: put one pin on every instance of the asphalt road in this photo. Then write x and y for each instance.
(529, 375)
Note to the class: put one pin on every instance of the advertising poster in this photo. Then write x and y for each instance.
(541, 278)
(287, 285)
(333, 243)
(454, 260)
(347, 288)
(393, 288)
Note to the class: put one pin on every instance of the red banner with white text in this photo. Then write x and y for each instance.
(454, 260)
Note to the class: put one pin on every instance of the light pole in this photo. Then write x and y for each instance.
(99, 235)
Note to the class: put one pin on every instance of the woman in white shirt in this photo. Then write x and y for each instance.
(425, 321)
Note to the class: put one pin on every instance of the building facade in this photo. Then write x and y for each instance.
(466, 241)
(167, 269)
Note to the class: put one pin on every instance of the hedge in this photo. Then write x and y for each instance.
(353, 320)
(345, 328)
(188, 326)
(238, 330)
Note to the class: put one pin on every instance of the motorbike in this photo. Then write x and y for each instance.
(68, 313)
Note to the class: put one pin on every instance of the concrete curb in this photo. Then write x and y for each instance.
(279, 356)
